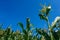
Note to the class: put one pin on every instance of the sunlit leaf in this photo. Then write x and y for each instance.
(55, 23)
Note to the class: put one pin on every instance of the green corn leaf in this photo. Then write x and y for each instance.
(28, 24)
(43, 17)
(56, 37)
(58, 34)
(42, 32)
(1, 26)
(47, 12)
(21, 25)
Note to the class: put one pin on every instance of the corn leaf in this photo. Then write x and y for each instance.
(28, 24)
(43, 17)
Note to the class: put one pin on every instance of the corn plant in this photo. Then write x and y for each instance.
(27, 33)
(53, 32)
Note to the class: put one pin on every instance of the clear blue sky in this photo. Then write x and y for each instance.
(14, 11)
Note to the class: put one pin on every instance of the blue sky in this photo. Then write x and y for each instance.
(14, 11)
